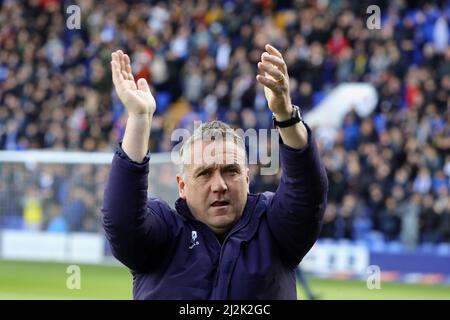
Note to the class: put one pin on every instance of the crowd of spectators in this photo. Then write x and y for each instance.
(388, 172)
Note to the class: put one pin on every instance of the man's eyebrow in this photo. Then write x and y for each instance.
(203, 168)
(231, 166)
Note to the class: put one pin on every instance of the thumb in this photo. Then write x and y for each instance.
(143, 85)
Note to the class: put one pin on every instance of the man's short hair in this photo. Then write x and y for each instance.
(210, 131)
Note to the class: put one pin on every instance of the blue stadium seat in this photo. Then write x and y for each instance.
(12, 222)
(163, 99)
(395, 247)
(344, 242)
(443, 249)
(427, 247)
(318, 97)
(377, 246)
(361, 227)
(361, 242)
(374, 236)
(375, 241)
(326, 241)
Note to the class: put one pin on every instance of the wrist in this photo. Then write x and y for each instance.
(294, 118)
(284, 115)
(140, 116)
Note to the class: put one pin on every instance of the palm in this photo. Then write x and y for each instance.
(276, 97)
(269, 96)
(137, 99)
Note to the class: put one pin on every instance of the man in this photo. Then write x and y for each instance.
(305, 285)
(220, 242)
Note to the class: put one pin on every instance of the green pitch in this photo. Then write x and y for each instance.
(32, 280)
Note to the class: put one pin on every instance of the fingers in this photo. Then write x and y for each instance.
(115, 68)
(127, 66)
(272, 50)
(269, 68)
(143, 85)
(275, 60)
(274, 68)
(122, 63)
(269, 83)
(121, 70)
(121, 60)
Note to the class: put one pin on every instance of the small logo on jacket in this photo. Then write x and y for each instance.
(194, 241)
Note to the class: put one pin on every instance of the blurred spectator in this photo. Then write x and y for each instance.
(422, 183)
(389, 220)
(75, 209)
(301, 278)
(429, 220)
(56, 220)
(345, 218)
(410, 211)
(33, 215)
(445, 223)
(329, 222)
(440, 35)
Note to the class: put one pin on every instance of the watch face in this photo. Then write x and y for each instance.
(296, 118)
(299, 114)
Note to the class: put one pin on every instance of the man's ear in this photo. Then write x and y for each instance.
(181, 186)
(247, 177)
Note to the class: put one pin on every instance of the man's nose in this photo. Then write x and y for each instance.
(218, 183)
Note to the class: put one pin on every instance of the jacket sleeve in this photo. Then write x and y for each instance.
(296, 209)
(137, 229)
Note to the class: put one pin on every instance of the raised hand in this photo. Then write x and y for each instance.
(136, 98)
(276, 88)
(275, 81)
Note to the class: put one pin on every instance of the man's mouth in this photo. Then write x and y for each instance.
(220, 203)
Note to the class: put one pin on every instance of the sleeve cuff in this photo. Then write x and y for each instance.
(295, 162)
(128, 162)
(302, 149)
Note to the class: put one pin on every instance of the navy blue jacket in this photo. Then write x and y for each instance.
(174, 256)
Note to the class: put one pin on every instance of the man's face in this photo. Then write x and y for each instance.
(215, 183)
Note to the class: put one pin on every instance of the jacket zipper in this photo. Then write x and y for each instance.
(225, 240)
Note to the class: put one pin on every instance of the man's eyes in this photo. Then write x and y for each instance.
(233, 170)
(204, 174)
